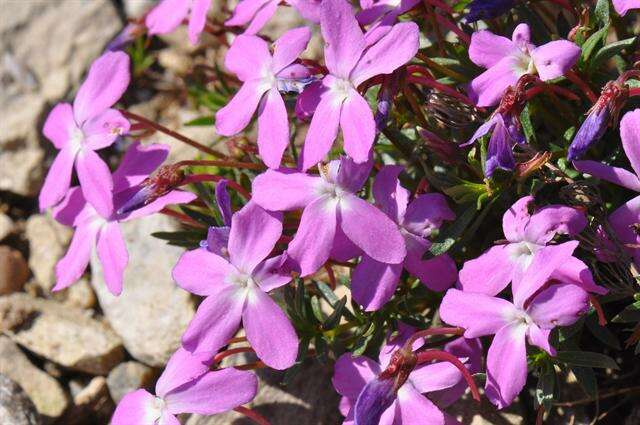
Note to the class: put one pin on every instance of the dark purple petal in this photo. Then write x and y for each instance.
(373, 400)
(591, 130)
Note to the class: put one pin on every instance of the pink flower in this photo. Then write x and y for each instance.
(79, 130)
(373, 283)
(351, 61)
(169, 14)
(334, 218)
(92, 228)
(186, 386)
(405, 405)
(236, 290)
(507, 60)
(528, 232)
(626, 218)
(623, 6)
(541, 302)
(260, 71)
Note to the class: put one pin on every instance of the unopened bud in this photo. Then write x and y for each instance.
(162, 182)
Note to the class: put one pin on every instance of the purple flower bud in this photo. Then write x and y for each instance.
(488, 9)
(591, 130)
(373, 400)
(139, 199)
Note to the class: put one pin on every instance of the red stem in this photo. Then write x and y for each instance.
(602, 320)
(433, 331)
(634, 91)
(575, 79)
(441, 87)
(230, 352)
(441, 5)
(332, 276)
(462, 36)
(427, 356)
(223, 163)
(253, 415)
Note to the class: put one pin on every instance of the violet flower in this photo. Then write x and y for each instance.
(351, 61)
(236, 289)
(625, 221)
(79, 130)
(540, 303)
(372, 282)
(334, 218)
(260, 71)
(488, 9)
(186, 386)
(169, 14)
(623, 6)
(369, 400)
(528, 232)
(257, 13)
(93, 229)
(218, 236)
(507, 60)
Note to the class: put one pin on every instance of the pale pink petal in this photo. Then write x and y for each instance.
(489, 273)
(358, 127)
(137, 407)
(202, 272)
(137, 163)
(323, 129)
(198, 18)
(615, 175)
(73, 209)
(312, 243)
(558, 305)
(349, 174)
(623, 6)
(181, 368)
(284, 191)
(540, 338)
(548, 221)
(261, 17)
(516, 218)
(506, 365)
(166, 16)
(309, 99)
(269, 331)
(390, 52)
(216, 321)
(350, 374)
(435, 377)
(308, 9)
(555, 58)
(487, 89)
(390, 196)
(371, 230)
(254, 233)
(103, 129)
(107, 80)
(96, 181)
(215, 392)
(167, 419)
(426, 213)
(58, 179)
(343, 249)
(630, 135)
(271, 273)
(288, 47)
(344, 41)
(248, 57)
(417, 409)
(113, 255)
(437, 273)
(273, 128)
(244, 12)
(237, 114)
(373, 283)
(624, 221)
(487, 49)
(60, 125)
(72, 266)
(521, 36)
(577, 272)
(479, 314)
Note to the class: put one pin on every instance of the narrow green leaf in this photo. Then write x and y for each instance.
(602, 333)
(452, 233)
(200, 122)
(602, 12)
(591, 43)
(334, 319)
(611, 50)
(586, 359)
(545, 387)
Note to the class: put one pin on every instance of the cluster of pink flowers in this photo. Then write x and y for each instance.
(239, 265)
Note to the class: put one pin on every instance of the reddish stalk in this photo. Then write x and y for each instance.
(575, 79)
(433, 331)
(462, 36)
(427, 356)
(253, 415)
(634, 91)
(441, 87)
(196, 178)
(230, 352)
(332, 276)
(441, 5)
(554, 89)
(238, 339)
(182, 217)
(221, 163)
(251, 366)
(171, 133)
(602, 320)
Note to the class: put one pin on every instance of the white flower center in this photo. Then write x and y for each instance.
(522, 253)
(341, 88)
(243, 280)
(77, 137)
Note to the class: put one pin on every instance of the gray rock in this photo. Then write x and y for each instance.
(48, 242)
(14, 271)
(46, 393)
(152, 312)
(62, 334)
(308, 399)
(80, 294)
(7, 226)
(15, 406)
(91, 402)
(127, 377)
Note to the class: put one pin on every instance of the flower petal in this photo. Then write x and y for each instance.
(506, 365)
(371, 230)
(487, 49)
(438, 273)
(58, 179)
(351, 374)
(415, 408)
(350, 175)
(312, 243)
(269, 331)
(73, 209)
(113, 255)
(540, 338)
(103, 129)
(237, 114)
(373, 283)
(181, 368)
(516, 218)
(166, 16)
(624, 221)
(137, 407)
(591, 130)
(390, 196)
(288, 47)
(198, 18)
(214, 392)
(576, 272)
(107, 80)
(555, 58)
(558, 305)
(426, 214)
(548, 221)
(489, 273)
(96, 181)
(202, 272)
(224, 202)
(60, 125)
(261, 17)
(630, 135)
(72, 266)
(273, 128)
(248, 56)
(344, 41)
(487, 88)
(500, 149)
(358, 127)
(615, 175)
(322, 131)
(284, 190)
(138, 162)
(479, 314)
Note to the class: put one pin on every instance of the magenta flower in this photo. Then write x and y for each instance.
(507, 60)
(528, 233)
(351, 61)
(236, 290)
(626, 218)
(249, 58)
(623, 6)
(79, 130)
(169, 14)
(356, 380)
(186, 386)
(372, 282)
(536, 309)
(334, 218)
(93, 229)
